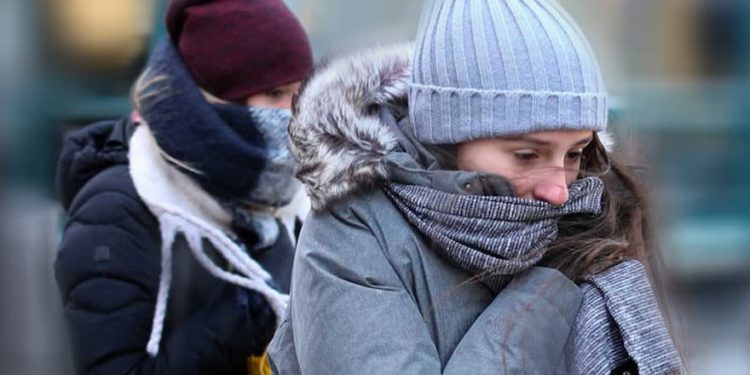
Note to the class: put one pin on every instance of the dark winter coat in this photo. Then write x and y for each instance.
(108, 269)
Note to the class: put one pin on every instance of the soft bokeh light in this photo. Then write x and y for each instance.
(101, 33)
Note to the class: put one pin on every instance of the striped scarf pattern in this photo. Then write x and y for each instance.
(619, 327)
(492, 237)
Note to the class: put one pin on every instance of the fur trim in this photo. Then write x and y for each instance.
(337, 136)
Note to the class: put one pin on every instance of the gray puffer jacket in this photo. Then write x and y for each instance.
(369, 293)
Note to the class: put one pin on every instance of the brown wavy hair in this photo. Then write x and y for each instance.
(588, 245)
(624, 230)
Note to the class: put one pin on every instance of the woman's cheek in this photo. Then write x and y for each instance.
(521, 186)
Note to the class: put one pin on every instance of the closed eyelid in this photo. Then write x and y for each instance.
(525, 151)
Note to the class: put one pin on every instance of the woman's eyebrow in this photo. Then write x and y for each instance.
(584, 142)
(528, 139)
(542, 142)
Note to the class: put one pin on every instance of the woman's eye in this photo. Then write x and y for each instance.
(275, 94)
(525, 156)
(575, 155)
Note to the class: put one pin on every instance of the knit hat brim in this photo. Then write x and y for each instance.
(487, 69)
(451, 116)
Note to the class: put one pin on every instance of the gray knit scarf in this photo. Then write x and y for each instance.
(492, 237)
(276, 184)
(475, 221)
(619, 328)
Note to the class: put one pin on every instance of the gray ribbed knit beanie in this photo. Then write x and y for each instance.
(493, 68)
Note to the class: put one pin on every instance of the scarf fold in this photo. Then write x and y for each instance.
(619, 321)
(239, 155)
(182, 207)
(492, 237)
(218, 145)
(475, 221)
(495, 238)
(277, 184)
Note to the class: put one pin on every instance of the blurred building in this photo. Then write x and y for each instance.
(681, 74)
(63, 63)
(679, 71)
(365, 22)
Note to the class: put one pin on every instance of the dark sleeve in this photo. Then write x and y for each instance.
(108, 270)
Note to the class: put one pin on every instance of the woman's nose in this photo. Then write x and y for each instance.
(552, 188)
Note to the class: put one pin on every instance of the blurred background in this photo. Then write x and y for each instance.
(678, 71)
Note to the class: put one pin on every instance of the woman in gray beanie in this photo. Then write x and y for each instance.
(467, 217)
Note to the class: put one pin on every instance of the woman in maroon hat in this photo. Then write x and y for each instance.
(177, 255)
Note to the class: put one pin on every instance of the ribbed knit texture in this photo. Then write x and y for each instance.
(620, 319)
(493, 68)
(492, 237)
(497, 237)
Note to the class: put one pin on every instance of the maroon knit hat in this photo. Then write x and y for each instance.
(238, 48)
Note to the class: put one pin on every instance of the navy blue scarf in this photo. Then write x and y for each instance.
(220, 142)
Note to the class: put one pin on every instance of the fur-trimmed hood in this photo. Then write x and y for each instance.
(336, 133)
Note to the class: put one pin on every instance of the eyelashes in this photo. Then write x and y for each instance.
(575, 156)
(525, 156)
(530, 156)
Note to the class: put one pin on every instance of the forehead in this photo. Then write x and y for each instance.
(552, 138)
(289, 87)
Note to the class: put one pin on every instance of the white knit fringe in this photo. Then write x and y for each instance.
(183, 207)
(165, 281)
(251, 275)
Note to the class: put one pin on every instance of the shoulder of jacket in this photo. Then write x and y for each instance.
(111, 196)
(370, 214)
(369, 207)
